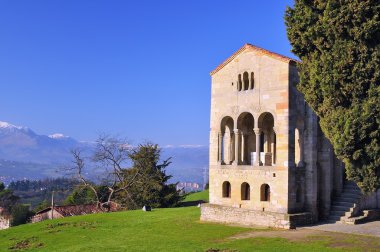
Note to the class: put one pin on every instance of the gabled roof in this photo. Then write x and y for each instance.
(257, 49)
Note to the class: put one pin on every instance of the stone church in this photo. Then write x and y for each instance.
(270, 163)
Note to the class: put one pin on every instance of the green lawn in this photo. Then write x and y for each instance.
(173, 229)
(203, 195)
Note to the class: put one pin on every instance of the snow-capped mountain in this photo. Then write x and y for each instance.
(24, 153)
(19, 143)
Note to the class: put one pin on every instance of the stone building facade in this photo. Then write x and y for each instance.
(270, 164)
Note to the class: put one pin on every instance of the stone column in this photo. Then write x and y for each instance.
(220, 137)
(272, 148)
(243, 148)
(237, 145)
(231, 150)
(258, 161)
(266, 141)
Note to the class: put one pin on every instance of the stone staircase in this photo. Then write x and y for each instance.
(346, 205)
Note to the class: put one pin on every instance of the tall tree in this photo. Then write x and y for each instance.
(7, 199)
(338, 42)
(152, 186)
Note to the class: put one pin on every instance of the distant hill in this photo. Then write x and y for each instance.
(26, 154)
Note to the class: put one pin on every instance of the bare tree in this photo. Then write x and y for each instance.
(111, 154)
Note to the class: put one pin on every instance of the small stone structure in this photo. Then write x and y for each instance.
(270, 163)
(67, 211)
(5, 219)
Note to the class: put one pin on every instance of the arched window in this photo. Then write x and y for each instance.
(245, 81)
(297, 147)
(252, 86)
(265, 192)
(226, 189)
(245, 125)
(267, 137)
(245, 191)
(226, 141)
(239, 83)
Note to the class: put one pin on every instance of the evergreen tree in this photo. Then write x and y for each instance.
(338, 42)
(7, 198)
(84, 195)
(151, 185)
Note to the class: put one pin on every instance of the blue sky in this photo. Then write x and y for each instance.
(139, 69)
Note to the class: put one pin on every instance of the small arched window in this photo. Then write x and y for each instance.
(239, 83)
(297, 147)
(252, 80)
(245, 81)
(265, 192)
(245, 191)
(226, 189)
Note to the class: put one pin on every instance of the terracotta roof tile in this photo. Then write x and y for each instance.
(257, 49)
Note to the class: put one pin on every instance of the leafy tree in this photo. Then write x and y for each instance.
(20, 214)
(151, 186)
(339, 45)
(7, 198)
(84, 195)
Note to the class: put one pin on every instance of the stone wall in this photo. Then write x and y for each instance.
(45, 216)
(371, 201)
(248, 217)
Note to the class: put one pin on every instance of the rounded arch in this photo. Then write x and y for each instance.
(226, 189)
(245, 191)
(265, 192)
(265, 120)
(246, 122)
(247, 138)
(268, 138)
(226, 121)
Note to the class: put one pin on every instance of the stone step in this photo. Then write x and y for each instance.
(341, 208)
(351, 195)
(347, 199)
(342, 204)
(351, 191)
(351, 188)
(338, 213)
(334, 218)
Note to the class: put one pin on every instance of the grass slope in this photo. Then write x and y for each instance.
(197, 196)
(175, 229)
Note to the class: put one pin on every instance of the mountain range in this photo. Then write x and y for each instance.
(26, 154)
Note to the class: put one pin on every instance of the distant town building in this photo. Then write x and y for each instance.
(188, 186)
